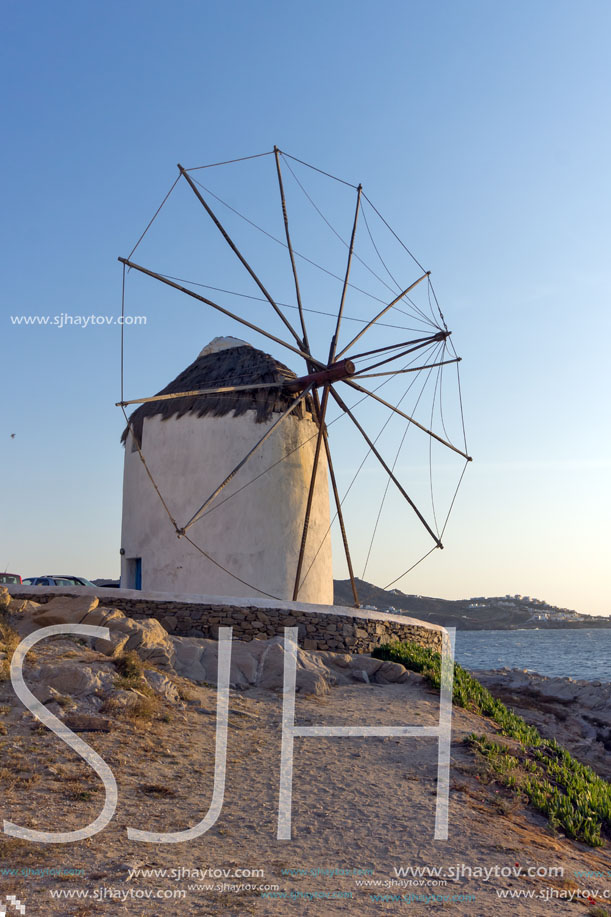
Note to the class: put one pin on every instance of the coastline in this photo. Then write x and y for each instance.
(362, 805)
(582, 655)
(575, 712)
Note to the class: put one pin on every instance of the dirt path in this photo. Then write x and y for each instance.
(362, 808)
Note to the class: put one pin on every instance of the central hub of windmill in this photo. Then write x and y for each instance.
(334, 372)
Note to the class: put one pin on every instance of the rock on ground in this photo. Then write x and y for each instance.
(575, 713)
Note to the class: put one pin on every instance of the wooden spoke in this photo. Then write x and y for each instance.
(340, 517)
(429, 339)
(402, 353)
(411, 369)
(333, 347)
(201, 391)
(317, 384)
(306, 521)
(338, 505)
(391, 407)
(380, 314)
(388, 470)
(209, 302)
(306, 345)
(248, 456)
(237, 252)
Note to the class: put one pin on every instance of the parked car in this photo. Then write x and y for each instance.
(57, 580)
(7, 579)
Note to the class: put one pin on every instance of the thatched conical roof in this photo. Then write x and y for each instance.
(239, 365)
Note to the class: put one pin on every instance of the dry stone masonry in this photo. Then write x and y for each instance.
(321, 627)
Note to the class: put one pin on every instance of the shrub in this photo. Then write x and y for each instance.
(129, 665)
(571, 794)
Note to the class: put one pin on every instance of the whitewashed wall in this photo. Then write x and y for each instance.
(256, 534)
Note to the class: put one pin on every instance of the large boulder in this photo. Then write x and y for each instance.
(11, 606)
(260, 663)
(147, 636)
(72, 679)
(65, 610)
(312, 676)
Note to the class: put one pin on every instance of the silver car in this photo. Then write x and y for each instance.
(53, 580)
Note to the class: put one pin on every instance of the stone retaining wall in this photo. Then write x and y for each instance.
(321, 627)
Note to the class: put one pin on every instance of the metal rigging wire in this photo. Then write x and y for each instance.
(284, 245)
(419, 316)
(367, 454)
(330, 423)
(227, 162)
(286, 305)
(335, 232)
(431, 450)
(401, 243)
(387, 269)
(153, 218)
(424, 556)
(342, 181)
(405, 432)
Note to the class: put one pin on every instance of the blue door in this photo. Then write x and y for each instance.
(137, 573)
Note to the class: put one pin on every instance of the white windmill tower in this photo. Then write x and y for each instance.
(250, 542)
(228, 469)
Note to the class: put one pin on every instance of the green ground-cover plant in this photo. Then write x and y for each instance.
(575, 805)
(571, 794)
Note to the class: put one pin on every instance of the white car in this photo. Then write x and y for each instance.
(53, 580)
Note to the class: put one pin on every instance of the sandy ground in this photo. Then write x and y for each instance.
(362, 808)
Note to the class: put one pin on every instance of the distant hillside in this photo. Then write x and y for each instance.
(489, 613)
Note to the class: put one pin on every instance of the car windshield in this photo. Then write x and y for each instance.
(73, 581)
(8, 578)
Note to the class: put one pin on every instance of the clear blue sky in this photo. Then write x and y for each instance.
(482, 132)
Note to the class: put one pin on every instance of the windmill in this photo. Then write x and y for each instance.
(230, 467)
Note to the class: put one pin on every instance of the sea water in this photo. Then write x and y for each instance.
(567, 653)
